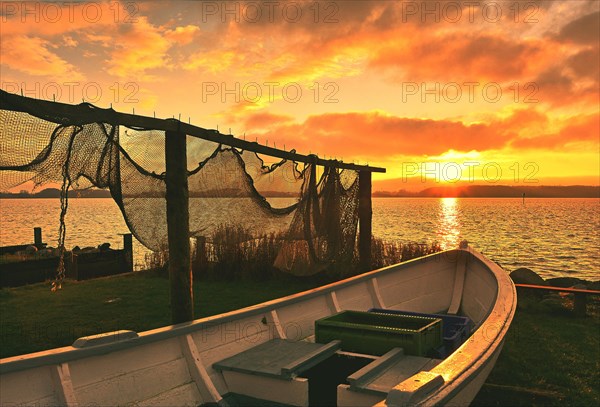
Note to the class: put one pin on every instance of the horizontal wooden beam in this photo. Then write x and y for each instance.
(85, 113)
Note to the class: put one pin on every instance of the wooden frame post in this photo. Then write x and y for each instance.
(365, 215)
(180, 270)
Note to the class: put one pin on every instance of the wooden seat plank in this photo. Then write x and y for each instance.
(278, 358)
(385, 379)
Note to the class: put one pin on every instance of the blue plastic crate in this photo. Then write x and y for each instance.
(455, 329)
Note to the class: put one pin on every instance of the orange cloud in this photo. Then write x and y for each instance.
(370, 46)
(557, 87)
(583, 30)
(139, 47)
(31, 55)
(182, 35)
(48, 19)
(455, 57)
(264, 120)
(375, 136)
(580, 129)
(372, 135)
(586, 64)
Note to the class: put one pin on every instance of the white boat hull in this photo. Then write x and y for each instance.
(174, 365)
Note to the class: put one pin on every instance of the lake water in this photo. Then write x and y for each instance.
(554, 237)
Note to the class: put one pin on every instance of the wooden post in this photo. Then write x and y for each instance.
(37, 238)
(128, 249)
(365, 215)
(180, 270)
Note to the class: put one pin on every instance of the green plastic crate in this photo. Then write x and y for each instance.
(375, 334)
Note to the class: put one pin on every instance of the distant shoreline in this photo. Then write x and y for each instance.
(471, 191)
(497, 191)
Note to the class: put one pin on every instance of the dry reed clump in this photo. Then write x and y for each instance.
(232, 253)
(235, 254)
(388, 253)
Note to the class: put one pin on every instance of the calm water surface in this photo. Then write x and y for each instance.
(554, 237)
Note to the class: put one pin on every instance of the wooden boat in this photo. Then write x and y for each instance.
(268, 351)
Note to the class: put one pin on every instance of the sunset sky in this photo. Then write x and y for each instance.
(462, 91)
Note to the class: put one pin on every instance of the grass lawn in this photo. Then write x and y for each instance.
(549, 357)
(32, 318)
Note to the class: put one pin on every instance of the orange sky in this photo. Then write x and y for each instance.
(466, 91)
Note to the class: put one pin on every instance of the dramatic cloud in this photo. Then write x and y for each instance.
(171, 52)
(581, 129)
(374, 136)
(559, 88)
(140, 47)
(33, 56)
(586, 64)
(371, 135)
(263, 120)
(463, 58)
(583, 30)
(182, 35)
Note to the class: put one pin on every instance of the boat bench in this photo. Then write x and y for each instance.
(279, 358)
(270, 371)
(372, 383)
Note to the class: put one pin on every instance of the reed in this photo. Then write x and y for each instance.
(233, 253)
(385, 253)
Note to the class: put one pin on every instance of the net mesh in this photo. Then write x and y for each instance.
(311, 211)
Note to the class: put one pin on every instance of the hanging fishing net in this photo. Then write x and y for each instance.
(310, 212)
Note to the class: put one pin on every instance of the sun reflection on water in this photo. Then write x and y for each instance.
(448, 227)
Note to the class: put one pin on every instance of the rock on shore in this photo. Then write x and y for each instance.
(524, 275)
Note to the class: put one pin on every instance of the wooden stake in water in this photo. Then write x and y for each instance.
(37, 238)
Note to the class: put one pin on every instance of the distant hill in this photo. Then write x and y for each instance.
(499, 191)
(55, 193)
(100, 193)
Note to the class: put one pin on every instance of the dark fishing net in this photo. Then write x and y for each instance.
(311, 211)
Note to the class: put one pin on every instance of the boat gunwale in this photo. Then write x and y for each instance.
(68, 353)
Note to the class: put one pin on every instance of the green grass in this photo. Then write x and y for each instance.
(549, 358)
(32, 318)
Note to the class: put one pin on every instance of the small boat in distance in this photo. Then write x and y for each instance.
(271, 352)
